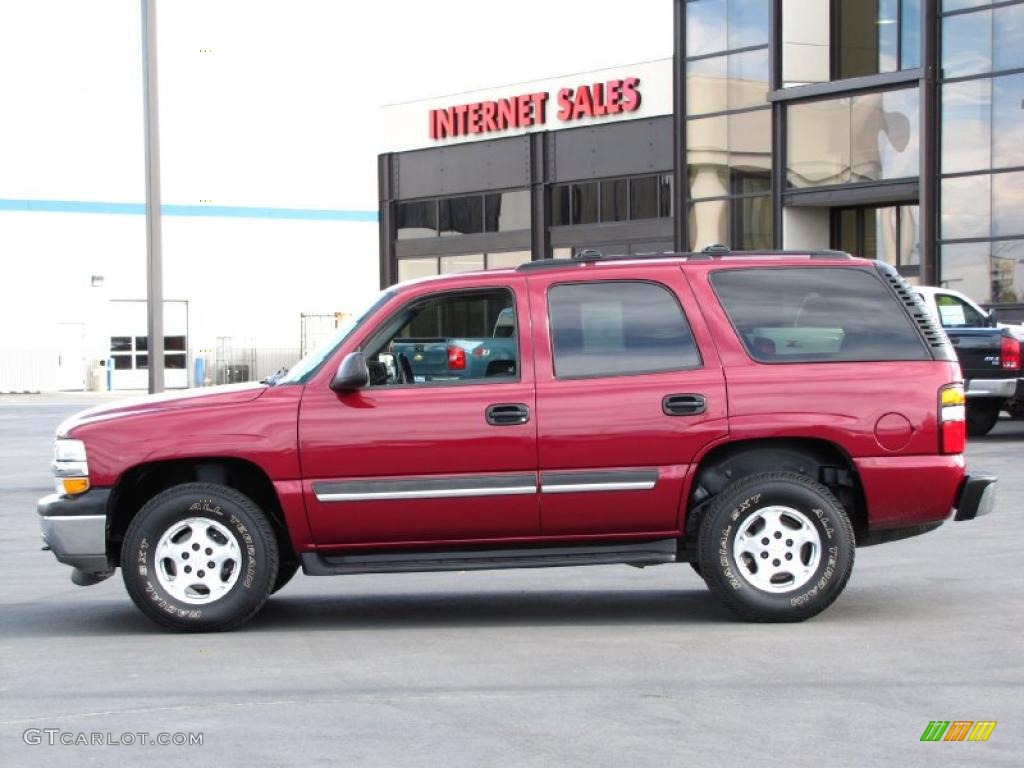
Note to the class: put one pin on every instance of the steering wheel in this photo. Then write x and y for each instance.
(404, 369)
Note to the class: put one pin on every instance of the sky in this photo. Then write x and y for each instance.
(269, 102)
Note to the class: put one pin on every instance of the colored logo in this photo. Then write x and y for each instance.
(958, 730)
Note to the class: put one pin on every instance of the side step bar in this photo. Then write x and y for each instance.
(644, 553)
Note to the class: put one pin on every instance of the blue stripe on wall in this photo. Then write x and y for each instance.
(218, 211)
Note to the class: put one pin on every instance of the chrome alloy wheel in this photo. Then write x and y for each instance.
(777, 549)
(197, 560)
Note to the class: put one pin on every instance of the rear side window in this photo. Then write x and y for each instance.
(618, 328)
(818, 314)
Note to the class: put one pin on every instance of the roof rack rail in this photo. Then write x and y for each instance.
(589, 256)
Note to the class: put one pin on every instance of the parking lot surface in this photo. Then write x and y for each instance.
(575, 666)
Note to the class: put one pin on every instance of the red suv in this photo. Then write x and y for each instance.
(756, 415)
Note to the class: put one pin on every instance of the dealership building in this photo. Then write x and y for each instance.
(893, 129)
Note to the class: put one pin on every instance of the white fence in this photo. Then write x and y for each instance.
(28, 370)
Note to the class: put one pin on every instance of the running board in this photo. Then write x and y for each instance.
(644, 553)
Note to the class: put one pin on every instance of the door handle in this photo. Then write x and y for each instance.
(504, 414)
(683, 405)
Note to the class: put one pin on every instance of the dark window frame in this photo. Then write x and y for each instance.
(682, 313)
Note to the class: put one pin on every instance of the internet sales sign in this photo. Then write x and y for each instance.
(530, 109)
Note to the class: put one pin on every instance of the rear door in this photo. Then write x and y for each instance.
(629, 390)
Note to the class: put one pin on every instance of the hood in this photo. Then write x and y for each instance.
(227, 394)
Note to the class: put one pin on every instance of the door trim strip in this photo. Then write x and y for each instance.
(426, 488)
(605, 480)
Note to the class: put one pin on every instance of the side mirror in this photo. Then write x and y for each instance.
(353, 373)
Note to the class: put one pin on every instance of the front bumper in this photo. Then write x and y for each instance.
(977, 496)
(75, 528)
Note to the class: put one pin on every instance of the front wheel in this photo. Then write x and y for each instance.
(776, 546)
(199, 557)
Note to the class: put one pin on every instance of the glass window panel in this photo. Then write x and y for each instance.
(613, 200)
(706, 85)
(884, 134)
(665, 200)
(910, 236)
(967, 44)
(466, 262)
(120, 343)
(507, 211)
(1008, 271)
(1008, 37)
(966, 267)
(748, 79)
(617, 329)
(122, 362)
(417, 219)
(410, 269)
(584, 203)
(142, 343)
(461, 215)
(750, 142)
(910, 34)
(175, 362)
(965, 210)
(748, 23)
(643, 198)
(752, 218)
(1008, 120)
(882, 225)
(966, 125)
(848, 240)
(709, 224)
(707, 156)
(806, 314)
(507, 259)
(956, 5)
(705, 27)
(868, 37)
(173, 343)
(561, 205)
(806, 30)
(141, 362)
(818, 143)
(1008, 204)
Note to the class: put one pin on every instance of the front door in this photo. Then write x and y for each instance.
(629, 390)
(71, 364)
(442, 446)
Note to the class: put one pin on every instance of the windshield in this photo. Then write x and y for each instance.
(299, 372)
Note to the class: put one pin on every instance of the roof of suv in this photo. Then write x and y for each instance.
(709, 253)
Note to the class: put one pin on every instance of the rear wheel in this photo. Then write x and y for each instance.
(982, 415)
(199, 557)
(776, 546)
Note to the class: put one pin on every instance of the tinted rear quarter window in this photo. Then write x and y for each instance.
(816, 314)
(618, 328)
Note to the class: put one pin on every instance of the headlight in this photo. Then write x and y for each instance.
(70, 467)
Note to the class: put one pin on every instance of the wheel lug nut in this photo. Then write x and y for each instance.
(188, 569)
(775, 562)
(789, 542)
(200, 574)
(764, 555)
(210, 565)
(764, 541)
(778, 535)
(195, 547)
(184, 555)
(789, 555)
(209, 551)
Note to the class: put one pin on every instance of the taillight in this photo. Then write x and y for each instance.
(456, 359)
(1009, 354)
(952, 418)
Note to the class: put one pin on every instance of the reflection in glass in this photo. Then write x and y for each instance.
(818, 143)
(752, 221)
(1008, 43)
(1008, 204)
(806, 29)
(965, 267)
(584, 203)
(705, 27)
(613, 200)
(461, 215)
(748, 23)
(1008, 121)
(561, 207)
(748, 78)
(884, 135)
(507, 211)
(965, 209)
(461, 263)
(709, 224)
(409, 269)
(966, 128)
(910, 34)
(750, 141)
(706, 89)
(967, 44)
(910, 235)
(643, 198)
(665, 197)
(417, 219)
(1008, 271)
(707, 156)
(868, 41)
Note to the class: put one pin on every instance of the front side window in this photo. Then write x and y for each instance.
(957, 313)
(618, 328)
(464, 337)
(816, 314)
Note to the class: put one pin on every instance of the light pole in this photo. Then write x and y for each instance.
(154, 256)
